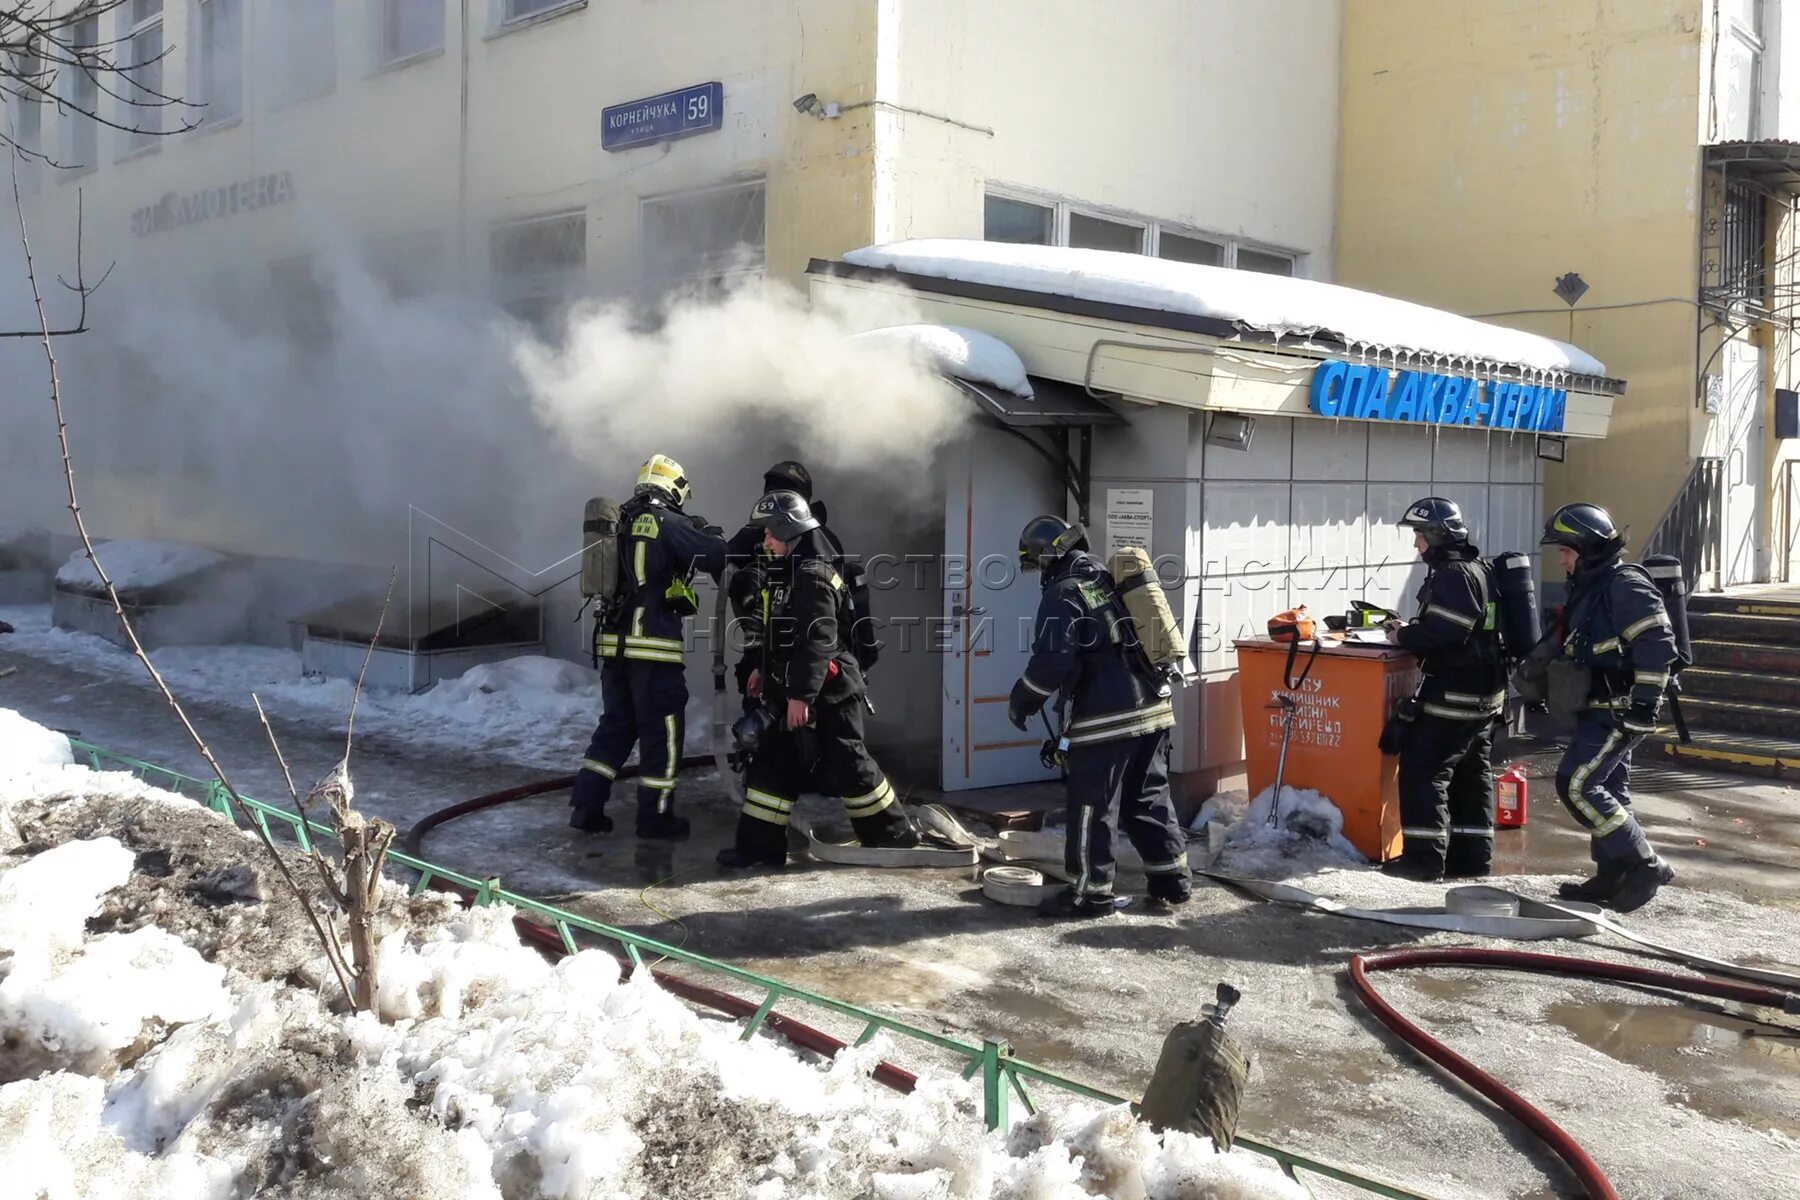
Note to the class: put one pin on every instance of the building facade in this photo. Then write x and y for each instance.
(1488, 151)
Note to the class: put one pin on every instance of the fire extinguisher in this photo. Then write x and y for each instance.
(1510, 798)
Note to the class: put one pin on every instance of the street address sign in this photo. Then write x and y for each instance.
(678, 114)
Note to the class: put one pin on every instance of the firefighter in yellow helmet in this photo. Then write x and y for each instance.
(638, 640)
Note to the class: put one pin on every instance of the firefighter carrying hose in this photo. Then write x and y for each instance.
(638, 640)
(1610, 655)
(811, 693)
(1446, 774)
(1117, 726)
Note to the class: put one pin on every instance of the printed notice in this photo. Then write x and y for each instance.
(1129, 512)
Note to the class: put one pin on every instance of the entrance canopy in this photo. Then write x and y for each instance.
(1149, 330)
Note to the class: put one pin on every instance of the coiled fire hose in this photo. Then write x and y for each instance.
(1579, 1161)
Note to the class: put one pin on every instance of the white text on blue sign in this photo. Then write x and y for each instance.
(1372, 393)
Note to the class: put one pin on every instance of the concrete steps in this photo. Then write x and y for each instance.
(1741, 697)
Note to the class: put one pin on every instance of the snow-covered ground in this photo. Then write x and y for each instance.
(166, 1036)
(532, 710)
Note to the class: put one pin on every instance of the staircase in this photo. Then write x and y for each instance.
(1742, 695)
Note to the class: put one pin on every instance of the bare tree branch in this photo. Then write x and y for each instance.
(355, 696)
(80, 287)
(112, 591)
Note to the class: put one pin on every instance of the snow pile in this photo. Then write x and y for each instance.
(490, 1072)
(530, 709)
(137, 564)
(958, 351)
(1273, 303)
(1306, 835)
(26, 746)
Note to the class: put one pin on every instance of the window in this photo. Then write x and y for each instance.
(1262, 260)
(539, 266)
(306, 58)
(1736, 102)
(1060, 223)
(27, 109)
(515, 10)
(81, 93)
(221, 75)
(302, 303)
(142, 66)
(1741, 278)
(410, 28)
(408, 266)
(1097, 233)
(1016, 221)
(704, 239)
(1181, 248)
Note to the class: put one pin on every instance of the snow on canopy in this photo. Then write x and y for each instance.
(958, 351)
(1270, 303)
(137, 564)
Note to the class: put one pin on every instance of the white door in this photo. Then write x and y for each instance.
(994, 483)
(1741, 424)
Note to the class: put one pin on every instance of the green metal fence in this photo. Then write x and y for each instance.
(1003, 1077)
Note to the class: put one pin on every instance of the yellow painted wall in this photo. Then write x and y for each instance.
(1488, 148)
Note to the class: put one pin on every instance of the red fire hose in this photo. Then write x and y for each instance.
(1549, 1132)
(546, 939)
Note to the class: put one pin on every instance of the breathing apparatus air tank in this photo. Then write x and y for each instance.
(1671, 582)
(1515, 599)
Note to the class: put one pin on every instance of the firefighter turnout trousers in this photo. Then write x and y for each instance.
(1594, 782)
(829, 756)
(642, 703)
(1130, 775)
(1447, 795)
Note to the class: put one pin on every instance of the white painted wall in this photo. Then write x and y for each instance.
(1211, 114)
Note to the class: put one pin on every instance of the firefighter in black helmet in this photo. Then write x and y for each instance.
(643, 683)
(1614, 634)
(1117, 725)
(753, 566)
(1446, 773)
(811, 685)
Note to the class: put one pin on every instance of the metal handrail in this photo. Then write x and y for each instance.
(1002, 1075)
(1690, 526)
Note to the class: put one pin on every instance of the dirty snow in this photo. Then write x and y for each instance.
(531, 709)
(1306, 835)
(137, 564)
(958, 351)
(1274, 303)
(493, 1073)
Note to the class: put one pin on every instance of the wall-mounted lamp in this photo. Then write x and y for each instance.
(810, 105)
(1551, 449)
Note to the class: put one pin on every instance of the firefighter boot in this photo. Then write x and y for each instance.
(758, 844)
(1598, 890)
(663, 827)
(1168, 891)
(1641, 883)
(888, 829)
(1066, 903)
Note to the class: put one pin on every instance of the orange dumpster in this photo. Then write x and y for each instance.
(1341, 706)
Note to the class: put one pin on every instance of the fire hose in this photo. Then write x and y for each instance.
(1582, 1164)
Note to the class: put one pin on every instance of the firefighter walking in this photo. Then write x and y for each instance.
(1117, 726)
(1446, 780)
(638, 640)
(810, 692)
(1613, 651)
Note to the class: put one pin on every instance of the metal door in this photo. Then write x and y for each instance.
(1743, 559)
(993, 485)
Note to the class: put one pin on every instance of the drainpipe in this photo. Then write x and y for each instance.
(462, 146)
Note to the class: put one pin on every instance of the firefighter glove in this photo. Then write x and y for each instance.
(1017, 716)
(1639, 718)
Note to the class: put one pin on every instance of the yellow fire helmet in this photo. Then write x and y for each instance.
(666, 476)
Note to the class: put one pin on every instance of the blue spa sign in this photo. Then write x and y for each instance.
(677, 114)
(1368, 393)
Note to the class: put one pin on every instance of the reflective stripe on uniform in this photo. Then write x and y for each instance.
(653, 643)
(656, 783)
(766, 806)
(1474, 831)
(1578, 790)
(1637, 627)
(1467, 622)
(638, 568)
(607, 645)
(599, 768)
(1603, 647)
(870, 802)
(1129, 716)
(1494, 698)
(1026, 680)
(1658, 679)
(1429, 832)
(1148, 724)
(1455, 714)
(1178, 867)
(1085, 816)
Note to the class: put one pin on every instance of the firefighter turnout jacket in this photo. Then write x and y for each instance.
(660, 548)
(808, 618)
(1079, 653)
(1455, 637)
(1615, 625)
